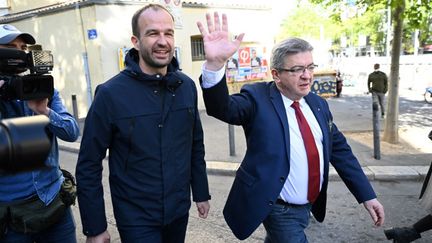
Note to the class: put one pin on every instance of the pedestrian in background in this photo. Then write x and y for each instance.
(339, 84)
(378, 86)
(147, 117)
(31, 206)
(291, 140)
(413, 232)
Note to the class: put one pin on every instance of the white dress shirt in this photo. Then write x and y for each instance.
(296, 186)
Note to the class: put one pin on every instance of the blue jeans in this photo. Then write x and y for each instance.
(175, 232)
(62, 231)
(286, 224)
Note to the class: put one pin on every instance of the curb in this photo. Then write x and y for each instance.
(68, 148)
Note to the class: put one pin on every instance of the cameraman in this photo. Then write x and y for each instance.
(31, 209)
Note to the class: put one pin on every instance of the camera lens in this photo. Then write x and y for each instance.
(24, 144)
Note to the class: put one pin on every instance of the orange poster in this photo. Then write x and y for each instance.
(244, 57)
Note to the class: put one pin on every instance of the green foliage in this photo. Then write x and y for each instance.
(338, 18)
(309, 21)
(417, 15)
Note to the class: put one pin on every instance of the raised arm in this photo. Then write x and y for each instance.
(217, 44)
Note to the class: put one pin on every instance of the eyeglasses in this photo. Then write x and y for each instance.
(298, 70)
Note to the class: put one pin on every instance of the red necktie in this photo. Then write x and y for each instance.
(312, 154)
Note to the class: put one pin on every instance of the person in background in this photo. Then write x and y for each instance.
(339, 84)
(291, 141)
(147, 116)
(31, 200)
(378, 86)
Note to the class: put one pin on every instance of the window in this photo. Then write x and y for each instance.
(197, 47)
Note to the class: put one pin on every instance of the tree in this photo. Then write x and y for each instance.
(295, 25)
(391, 124)
(334, 26)
(415, 12)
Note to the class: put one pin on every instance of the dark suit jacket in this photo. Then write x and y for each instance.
(259, 180)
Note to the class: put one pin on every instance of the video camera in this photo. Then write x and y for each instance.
(36, 85)
(24, 143)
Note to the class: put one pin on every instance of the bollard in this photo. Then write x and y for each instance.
(231, 139)
(75, 107)
(376, 131)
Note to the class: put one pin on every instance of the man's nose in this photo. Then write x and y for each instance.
(306, 74)
(162, 39)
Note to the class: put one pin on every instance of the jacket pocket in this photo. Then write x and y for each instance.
(245, 177)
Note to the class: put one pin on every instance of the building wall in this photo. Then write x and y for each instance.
(23, 5)
(4, 7)
(61, 33)
(239, 22)
(65, 33)
(115, 31)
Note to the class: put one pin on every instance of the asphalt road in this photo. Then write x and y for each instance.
(346, 220)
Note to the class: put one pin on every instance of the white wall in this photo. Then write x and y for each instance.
(61, 34)
(414, 71)
(4, 7)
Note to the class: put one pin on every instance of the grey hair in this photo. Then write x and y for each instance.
(288, 47)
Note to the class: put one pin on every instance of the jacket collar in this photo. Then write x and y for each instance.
(133, 68)
(172, 80)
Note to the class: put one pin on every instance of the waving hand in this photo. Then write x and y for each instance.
(217, 45)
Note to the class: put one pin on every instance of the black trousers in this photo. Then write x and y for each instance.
(175, 232)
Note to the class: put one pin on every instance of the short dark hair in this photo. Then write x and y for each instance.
(156, 7)
(376, 66)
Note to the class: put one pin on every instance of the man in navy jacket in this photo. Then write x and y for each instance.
(271, 184)
(148, 119)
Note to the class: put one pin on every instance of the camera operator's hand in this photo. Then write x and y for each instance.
(40, 106)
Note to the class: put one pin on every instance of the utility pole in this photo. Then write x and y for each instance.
(376, 131)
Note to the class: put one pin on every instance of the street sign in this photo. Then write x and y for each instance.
(92, 34)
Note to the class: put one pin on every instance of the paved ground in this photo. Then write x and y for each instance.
(346, 220)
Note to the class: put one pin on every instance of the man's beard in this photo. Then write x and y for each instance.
(152, 62)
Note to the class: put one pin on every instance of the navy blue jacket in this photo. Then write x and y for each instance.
(150, 124)
(259, 180)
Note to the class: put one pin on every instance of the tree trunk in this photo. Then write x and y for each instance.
(391, 126)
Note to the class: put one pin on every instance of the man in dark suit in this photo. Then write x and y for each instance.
(284, 174)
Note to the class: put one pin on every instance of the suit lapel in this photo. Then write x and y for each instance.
(276, 99)
(318, 112)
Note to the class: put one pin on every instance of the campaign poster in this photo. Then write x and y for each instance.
(247, 64)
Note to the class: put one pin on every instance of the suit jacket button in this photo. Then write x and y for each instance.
(282, 179)
(270, 203)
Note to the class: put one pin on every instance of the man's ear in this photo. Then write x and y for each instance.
(275, 75)
(135, 42)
